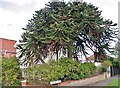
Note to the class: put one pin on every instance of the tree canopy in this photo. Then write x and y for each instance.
(70, 27)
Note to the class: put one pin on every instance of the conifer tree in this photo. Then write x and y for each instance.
(70, 27)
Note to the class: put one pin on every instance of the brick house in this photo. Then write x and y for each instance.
(7, 48)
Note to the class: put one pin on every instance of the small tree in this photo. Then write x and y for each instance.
(10, 71)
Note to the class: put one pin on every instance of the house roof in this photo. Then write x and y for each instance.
(8, 39)
(6, 44)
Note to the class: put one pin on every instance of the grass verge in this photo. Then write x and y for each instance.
(113, 84)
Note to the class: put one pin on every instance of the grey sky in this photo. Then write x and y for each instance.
(14, 14)
(7, 5)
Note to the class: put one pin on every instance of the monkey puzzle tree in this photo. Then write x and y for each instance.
(70, 27)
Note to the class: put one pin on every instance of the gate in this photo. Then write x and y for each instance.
(114, 70)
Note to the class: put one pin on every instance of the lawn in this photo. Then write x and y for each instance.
(113, 84)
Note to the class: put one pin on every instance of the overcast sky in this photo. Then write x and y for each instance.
(14, 14)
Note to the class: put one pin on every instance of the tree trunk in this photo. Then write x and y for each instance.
(69, 52)
(57, 54)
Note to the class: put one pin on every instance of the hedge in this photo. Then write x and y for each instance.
(64, 69)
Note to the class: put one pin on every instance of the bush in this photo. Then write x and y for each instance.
(107, 63)
(101, 69)
(114, 61)
(104, 66)
(33, 74)
(64, 69)
(11, 72)
(88, 69)
(69, 68)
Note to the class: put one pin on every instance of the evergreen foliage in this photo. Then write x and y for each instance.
(71, 27)
(11, 72)
(64, 69)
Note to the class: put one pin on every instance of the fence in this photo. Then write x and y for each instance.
(114, 70)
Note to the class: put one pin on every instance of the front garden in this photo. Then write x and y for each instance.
(64, 69)
(67, 28)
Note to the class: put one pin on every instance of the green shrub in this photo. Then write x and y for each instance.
(74, 76)
(11, 72)
(88, 69)
(32, 73)
(107, 63)
(70, 68)
(102, 69)
(64, 69)
(114, 61)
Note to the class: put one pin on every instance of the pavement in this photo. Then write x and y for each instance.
(98, 84)
(105, 82)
